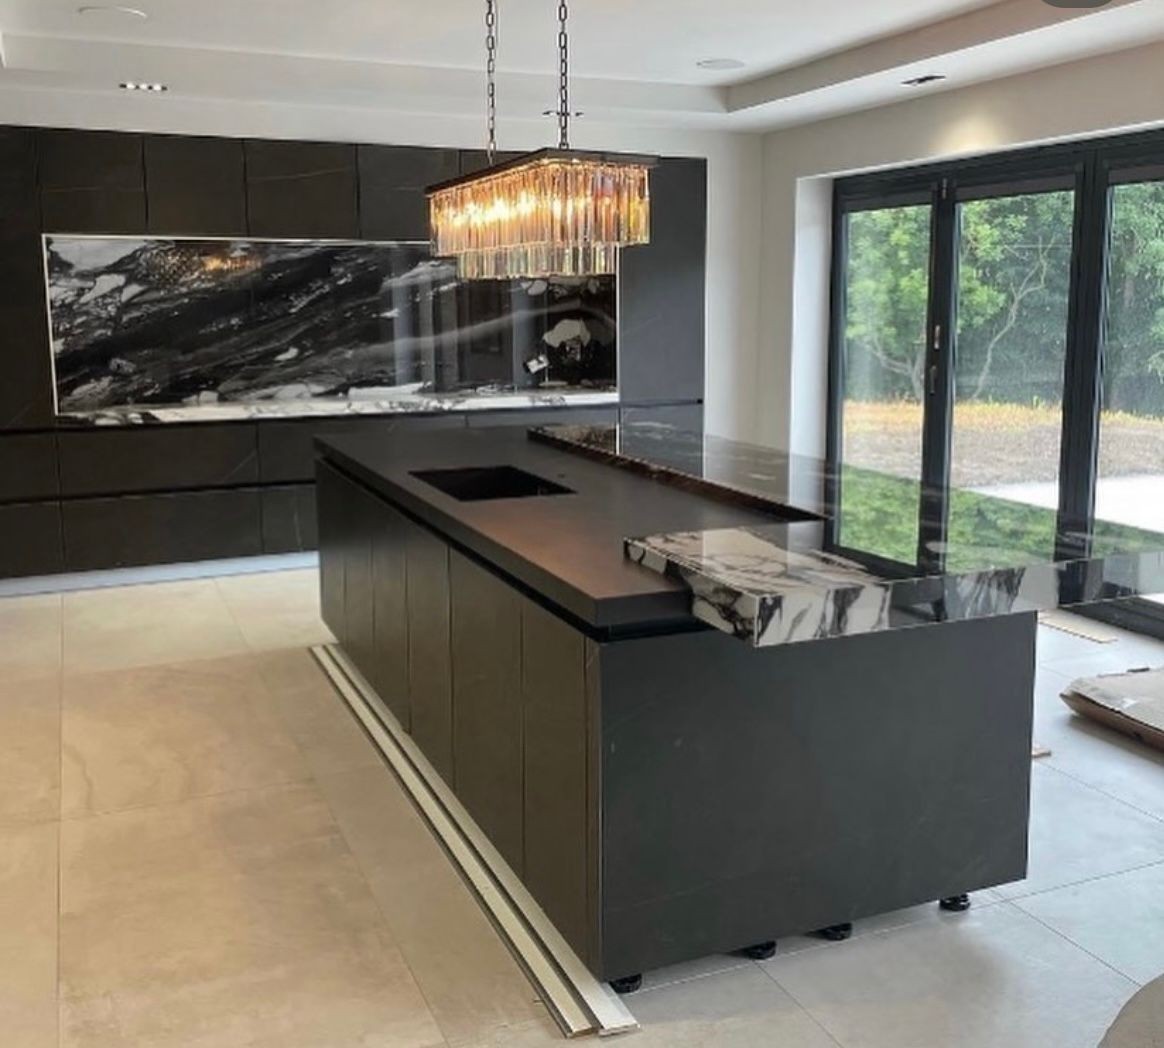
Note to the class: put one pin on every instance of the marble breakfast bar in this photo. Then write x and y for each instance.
(687, 725)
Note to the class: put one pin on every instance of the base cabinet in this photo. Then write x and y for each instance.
(668, 797)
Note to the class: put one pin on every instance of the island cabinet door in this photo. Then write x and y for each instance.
(486, 663)
(430, 678)
(333, 520)
(389, 658)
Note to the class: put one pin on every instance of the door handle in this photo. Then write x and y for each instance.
(933, 380)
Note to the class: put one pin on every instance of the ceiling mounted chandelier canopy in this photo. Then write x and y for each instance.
(554, 212)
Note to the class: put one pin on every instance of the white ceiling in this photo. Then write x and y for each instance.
(655, 40)
(634, 61)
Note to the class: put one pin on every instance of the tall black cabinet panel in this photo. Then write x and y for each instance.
(92, 182)
(661, 290)
(390, 612)
(26, 392)
(393, 204)
(301, 189)
(196, 186)
(560, 864)
(486, 667)
(430, 680)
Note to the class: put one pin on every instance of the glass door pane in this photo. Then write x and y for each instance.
(1130, 483)
(1129, 487)
(1012, 293)
(884, 349)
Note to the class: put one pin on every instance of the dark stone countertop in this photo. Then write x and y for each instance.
(567, 550)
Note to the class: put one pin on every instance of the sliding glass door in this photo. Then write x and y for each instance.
(1009, 352)
(883, 342)
(998, 334)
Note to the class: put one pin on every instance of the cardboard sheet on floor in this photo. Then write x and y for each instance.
(1132, 703)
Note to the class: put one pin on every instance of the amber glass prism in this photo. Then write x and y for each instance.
(554, 212)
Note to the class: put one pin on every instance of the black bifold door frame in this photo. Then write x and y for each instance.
(1091, 169)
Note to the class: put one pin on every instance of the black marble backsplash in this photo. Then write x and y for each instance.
(149, 322)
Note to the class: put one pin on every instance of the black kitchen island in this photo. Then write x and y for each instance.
(663, 790)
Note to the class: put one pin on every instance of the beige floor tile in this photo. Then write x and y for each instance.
(996, 979)
(276, 609)
(147, 625)
(741, 1008)
(235, 920)
(30, 749)
(537, 1033)
(303, 697)
(470, 980)
(28, 936)
(30, 636)
(160, 734)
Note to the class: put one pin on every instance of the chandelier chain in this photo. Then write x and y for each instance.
(491, 77)
(563, 77)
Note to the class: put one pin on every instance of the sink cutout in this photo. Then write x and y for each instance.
(481, 483)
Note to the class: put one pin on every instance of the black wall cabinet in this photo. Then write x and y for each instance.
(196, 186)
(92, 182)
(302, 189)
(136, 530)
(662, 316)
(393, 204)
(87, 498)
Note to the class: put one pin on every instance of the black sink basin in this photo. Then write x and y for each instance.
(479, 483)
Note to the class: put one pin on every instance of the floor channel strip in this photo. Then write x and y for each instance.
(578, 1001)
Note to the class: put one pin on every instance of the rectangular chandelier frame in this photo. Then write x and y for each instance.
(563, 212)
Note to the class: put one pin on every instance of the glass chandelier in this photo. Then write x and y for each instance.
(557, 211)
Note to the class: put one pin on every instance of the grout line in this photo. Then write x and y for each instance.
(1049, 764)
(802, 1006)
(1085, 880)
(1079, 946)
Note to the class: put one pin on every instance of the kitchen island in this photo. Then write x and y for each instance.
(556, 618)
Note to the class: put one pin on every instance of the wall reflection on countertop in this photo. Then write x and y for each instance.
(151, 323)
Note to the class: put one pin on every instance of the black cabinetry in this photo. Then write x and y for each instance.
(195, 186)
(302, 189)
(92, 182)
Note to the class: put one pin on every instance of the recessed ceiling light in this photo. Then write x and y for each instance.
(1076, 3)
(112, 9)
(137, 85)
(719, 64)
(925, 78)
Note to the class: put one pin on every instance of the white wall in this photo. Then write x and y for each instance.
(734, 181)
(782, 391)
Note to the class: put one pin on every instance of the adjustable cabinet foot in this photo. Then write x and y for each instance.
(955, 903)
(836, 932)
(627, 984)
(760, 951)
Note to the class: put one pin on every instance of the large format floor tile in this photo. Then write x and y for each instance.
(28, 936)
(1078, 834)
(159, 734)
(234, 920)
(1094, 754)
(30, 748)
(278, 609)
(1118, 919)
(148, 625)
(471, 982)
(330, 737)
(996, 979)
(736, 1009)
(30, 636)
